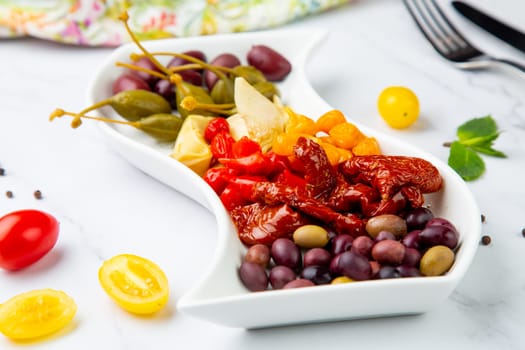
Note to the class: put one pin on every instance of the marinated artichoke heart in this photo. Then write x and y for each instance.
(257, 117)
(190, 147)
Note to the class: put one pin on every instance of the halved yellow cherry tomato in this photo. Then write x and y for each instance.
(36, 314)
(136, 284)
(398, 106)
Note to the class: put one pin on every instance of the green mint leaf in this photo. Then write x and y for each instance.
(480, 140)
(477, 127)
(466, 162)
(488, 150)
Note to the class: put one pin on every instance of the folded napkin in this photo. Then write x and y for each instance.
(95, 22)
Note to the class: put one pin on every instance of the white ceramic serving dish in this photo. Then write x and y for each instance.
(220, 297)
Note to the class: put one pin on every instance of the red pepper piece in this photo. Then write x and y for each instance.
(219, 178)
(215, 127)
(221, 145)
(286, 177)
(254, 164)
(245, 147)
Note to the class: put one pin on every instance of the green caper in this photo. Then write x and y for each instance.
(436, 261)
(185, 89)
(133, 105)
(267, 89)
(222, 91)
(251, 74)
(162, 127)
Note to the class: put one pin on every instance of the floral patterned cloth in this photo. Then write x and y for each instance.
(95, 22)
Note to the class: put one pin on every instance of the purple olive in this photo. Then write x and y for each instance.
(145, 62)
(317, 274)
(271, 63)
(316, 256)
(438, 235)
(341, 243)
(388, 252)
(285, 252)
(298, 283)
(354, 266)
(417, 218)
(129, 81)
(223, 60)
(362, 245)
(280, 275)
(253, 276)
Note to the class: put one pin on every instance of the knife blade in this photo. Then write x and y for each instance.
(492, 25)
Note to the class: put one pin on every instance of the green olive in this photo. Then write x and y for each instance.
(436, 261)
(310, 236)
(136, 104)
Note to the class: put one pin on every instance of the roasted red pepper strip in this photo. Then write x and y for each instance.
(215, 127)
(254, 164)
(319, 173)
(257, 223)
(219, 178)
(388, 174)
(245, 147)
(221, 145)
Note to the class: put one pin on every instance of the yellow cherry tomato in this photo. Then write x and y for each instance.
(136, 284)
(398, 106)
(36, 313)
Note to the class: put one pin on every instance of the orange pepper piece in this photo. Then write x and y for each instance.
(330, 119)
(367, 147)
(346, 135)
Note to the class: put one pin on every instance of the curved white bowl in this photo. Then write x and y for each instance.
(219, 296)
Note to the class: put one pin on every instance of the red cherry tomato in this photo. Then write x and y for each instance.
(25, 237)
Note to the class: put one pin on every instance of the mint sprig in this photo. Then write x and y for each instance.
(475, 136)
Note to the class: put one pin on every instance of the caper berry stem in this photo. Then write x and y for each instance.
(215, 69)
(141, 69)
(58, 113)
(124, 17)
(190, 103)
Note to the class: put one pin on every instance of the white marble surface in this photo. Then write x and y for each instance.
(107, 207)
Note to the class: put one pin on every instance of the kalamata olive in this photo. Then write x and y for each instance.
(341, 243)
(386, 222)
(388, 272)
(355, 266)
(298, 283)
(166, 90)
(129, 82)
(438, 235)
(253, 276)
(179, 61)
(280, 275)
(317, 274)
(259, 254)
(191, 76)
(408, 271)
(310, 236)
(223, 60)
(441, 222)
(411, 240)
(145, 62)
(375, 266)
(417, 218)
(285, 252)
(316, 256)
(436, 261)
(362, 245)
(271, 63)
(412, 257)
(388, 252)
(383, 235)
(334, 265)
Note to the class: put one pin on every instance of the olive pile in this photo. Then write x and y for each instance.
(417, 245)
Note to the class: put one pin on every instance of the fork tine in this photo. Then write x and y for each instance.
(435, 26)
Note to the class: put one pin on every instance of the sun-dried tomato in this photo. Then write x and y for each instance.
(388, 174)
(259, 223)
(319, 173)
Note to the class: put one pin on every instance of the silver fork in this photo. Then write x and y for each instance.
(448, 41)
